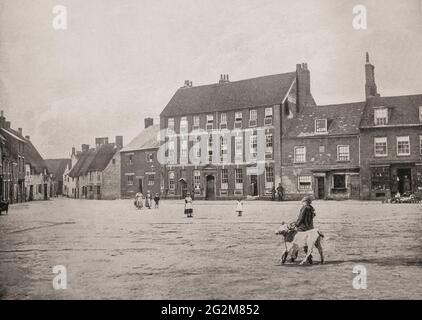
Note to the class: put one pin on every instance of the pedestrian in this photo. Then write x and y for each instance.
(239, 207)
(138, 200)
(156, 200)
(273, 192)
(188, 205)
(280, 192)
(148, 200)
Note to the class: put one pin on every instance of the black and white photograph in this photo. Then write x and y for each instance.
(199, 150)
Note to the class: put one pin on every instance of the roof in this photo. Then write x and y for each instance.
(33, 157)
(342, 119)
(255, 92)
(57, 167)
(93, 160)
(404, 110)
(147, 139)
(14, 134)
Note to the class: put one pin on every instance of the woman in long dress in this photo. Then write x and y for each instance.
(188, 205)
(138, 200)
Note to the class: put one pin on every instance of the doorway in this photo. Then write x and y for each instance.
(140, 189)
(254, 185)
(320, 182)
(404, 179)
(210, 192)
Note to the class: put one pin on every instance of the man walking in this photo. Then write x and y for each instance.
(280, 192)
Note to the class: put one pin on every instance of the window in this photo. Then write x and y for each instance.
(224, 178)
(170, 124)
(343, 153)
(171, 153)
(171, 180)
(253, 146)
(210, 143)
(196, 178)
(223, 121)
(339, 181)
(304, 183)
(238, 178)
(210, 121)
(420, 145)
(380, 178)
(420, 114)
(381, 116)
(130, 179)
(321, 125)
(238, 119)
(196, 152)
(130, 159)
(238, 144)
(380, 147)
(151, 179)
(253, 116)
(150, 157)
(184, 150)
(321, 149)
(183, 125)
(195, 125)
(223, 149)
(269, 146)
(98, 176)
(403, 146)
(113, 161)
(268, 116)
(300, 155)
(269, 177)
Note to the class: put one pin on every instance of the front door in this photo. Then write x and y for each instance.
(140, 189)
(355, 187)
(254, 185)
(320, 187)
(210, 193)
(404, 179)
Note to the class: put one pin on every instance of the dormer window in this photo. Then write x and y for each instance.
(238, 119)
(321, 125)
(381, 116)
(268, 116)
(253, 117)
(223, 121)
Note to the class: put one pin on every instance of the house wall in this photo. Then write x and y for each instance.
(111, 179)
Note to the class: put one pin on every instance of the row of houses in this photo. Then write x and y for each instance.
(246, 138)
(24, 174)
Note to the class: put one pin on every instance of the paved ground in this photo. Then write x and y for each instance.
(111, 250)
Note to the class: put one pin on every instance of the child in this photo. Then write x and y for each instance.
(188, 205)
(239, 207)
(156, 200)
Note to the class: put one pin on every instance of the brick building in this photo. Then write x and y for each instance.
(224, 140)
(320, 153)
(391, 142)
(140, 169)
(12, 166)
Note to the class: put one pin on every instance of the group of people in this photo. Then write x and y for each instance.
(141, 200)
(279, 192)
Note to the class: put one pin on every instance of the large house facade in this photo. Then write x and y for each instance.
(223, 140)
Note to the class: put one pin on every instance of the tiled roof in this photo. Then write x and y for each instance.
(33, 157)
(341, 119)
(147, 139)
(262, 91)
(57, 167)
(403, 110)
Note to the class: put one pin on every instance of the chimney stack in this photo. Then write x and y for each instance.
(27, 137)
(188, 84)
(2, 119)
(7, 124)
(73, 151)
(119, 142)
(370, 85)
(224, 78)
(101, 141)
(148, 122)
(20, 131)
(85, 147)
(303, 85)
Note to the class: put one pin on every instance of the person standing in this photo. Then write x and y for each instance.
(188, 205)
(148, 200)
(239, 207)
(273, 191)
(280, 192)
(156, 200)
(138, 200)
(305, 221)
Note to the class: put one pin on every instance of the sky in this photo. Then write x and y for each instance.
(120, 61)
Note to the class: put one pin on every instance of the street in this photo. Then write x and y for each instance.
(112, 251)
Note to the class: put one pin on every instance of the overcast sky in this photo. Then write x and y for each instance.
(122, 60)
